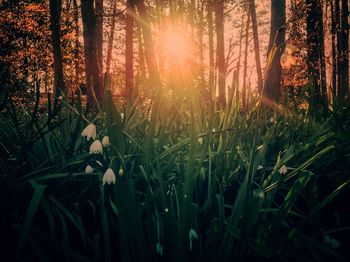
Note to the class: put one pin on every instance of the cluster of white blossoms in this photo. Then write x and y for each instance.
(96, 147)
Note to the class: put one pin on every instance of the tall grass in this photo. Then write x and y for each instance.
(197, 185)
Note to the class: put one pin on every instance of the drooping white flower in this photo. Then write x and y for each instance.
(159, 248)
(89, 169)
(200, 141)
(283, 170)
(121, 172)
(96, 147)
(192, 235)
(105, 141)
(108, 177)
(89, 132)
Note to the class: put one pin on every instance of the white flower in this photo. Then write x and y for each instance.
(260, 167)
(200, 141)
(283, 170)
(108, 177)
(159, 248)
(96, 147)
(89, 169)
(192, 235)
(121, 172)
(105, 141)
(89, 132)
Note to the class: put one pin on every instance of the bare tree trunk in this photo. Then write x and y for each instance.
(220, 51)
(129, 50)
(111, 38)
(273, 86)
(148, 42)
(92, 69)
(343, 63)
(55, 21)
(141, 54)
(256, 43)
(212, 86)
(99, 32)
(315, 48)
(77, 45)
(334, 54)
(245, 63)
(239, 59)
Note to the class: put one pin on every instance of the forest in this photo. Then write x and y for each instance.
(174, 130)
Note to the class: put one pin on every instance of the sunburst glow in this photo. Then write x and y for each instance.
(175, 44)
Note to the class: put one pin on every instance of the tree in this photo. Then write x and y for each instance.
(220, 51)
(92, 69)
(211, 48)
(343, 57)
(252, 11)
(55, 26)
(315, 50)
(272, 88)
(129, 49)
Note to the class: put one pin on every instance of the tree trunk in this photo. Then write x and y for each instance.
(256, 43)
(315, 49)
(220, 51)
(77, 45)
(343, 63)
(245, 63)
(111, 38)
(129, 50)
(212, 86)
(92, 69)
(334, 54)
(272, 88)
(55, 25)
(99, 33)
(148, 42)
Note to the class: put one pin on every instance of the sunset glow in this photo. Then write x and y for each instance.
(175, 45)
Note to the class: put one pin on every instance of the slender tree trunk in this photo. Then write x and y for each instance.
(99, 32)
(315, 49)
(220, 51)
(273, 86)
(239, 58)
(77, 45)
(256, 43)
(111, 38)
(92, 69)
(334, 54)
(343, 63)
(148, 42)
(129, 50)
(141, 53)
(212, 86)
(245, 63)
(55, 25)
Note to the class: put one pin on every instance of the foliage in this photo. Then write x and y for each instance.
(195, 185)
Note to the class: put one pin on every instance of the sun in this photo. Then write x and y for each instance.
(175, 44)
